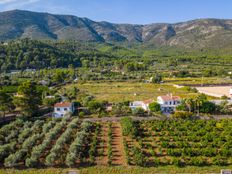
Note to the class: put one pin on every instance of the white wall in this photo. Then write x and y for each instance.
(62, 111)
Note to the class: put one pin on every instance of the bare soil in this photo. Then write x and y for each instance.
(117, 145)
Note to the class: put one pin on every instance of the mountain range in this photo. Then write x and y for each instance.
(200, 33)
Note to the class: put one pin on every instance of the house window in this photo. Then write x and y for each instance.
(65, 109)
(58, 109)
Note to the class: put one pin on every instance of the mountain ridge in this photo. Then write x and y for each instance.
(198, 33)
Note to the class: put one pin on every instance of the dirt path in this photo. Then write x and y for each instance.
(117, 145)
(102, 158)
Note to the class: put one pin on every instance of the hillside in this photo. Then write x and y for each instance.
(202, 33)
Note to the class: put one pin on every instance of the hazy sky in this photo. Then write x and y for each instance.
(128, 11)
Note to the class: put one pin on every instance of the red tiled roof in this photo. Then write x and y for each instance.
(170, 98)
(148, 101)
(63, 104)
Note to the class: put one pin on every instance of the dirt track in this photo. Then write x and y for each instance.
(117, 145)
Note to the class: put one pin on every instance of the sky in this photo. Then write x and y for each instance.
(128, 11)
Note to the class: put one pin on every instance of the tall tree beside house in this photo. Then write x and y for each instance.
(199, 101)
(28, 99)
(96, 107)
(6, 103)
(197, 104)
(189, 102)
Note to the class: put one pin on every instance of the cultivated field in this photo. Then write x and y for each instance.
(199, 80)
(179, 143)
(128, 91)
(72, 143)
(216, 91)
(59, 143)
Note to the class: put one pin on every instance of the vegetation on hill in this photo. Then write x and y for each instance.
(202, 33)
(99, 61)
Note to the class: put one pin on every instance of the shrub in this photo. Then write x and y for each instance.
(129, 127)
(182, 114)
(220, 161)
(208, 107)
(155, 107)
(138, 157)
(138, 112)
(177, 162)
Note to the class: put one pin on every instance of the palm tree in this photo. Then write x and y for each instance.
(189, 103)
(199, 100)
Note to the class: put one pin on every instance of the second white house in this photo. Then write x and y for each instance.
(168, 103)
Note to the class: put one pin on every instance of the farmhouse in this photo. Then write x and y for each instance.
(141, 104)
(62, 109)
(168, 103)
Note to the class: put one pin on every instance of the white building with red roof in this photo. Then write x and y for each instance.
(62, 109)
(168, 103)
(140, 104)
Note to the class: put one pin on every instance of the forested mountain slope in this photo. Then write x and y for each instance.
(202, 33)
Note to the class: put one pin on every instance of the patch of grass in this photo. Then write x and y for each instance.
(121, 170)
(33, 171)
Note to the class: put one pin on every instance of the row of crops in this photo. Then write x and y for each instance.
(58, 142)
(178, 142)
(73, 143)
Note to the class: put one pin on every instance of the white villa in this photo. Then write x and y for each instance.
(62, 109)
(141, 104)
(168, 103)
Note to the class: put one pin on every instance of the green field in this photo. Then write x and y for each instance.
(124, 91)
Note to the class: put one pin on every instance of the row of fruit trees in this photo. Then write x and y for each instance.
(178, 142)
(42, 143)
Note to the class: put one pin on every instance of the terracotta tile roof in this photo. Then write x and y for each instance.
(170, 98)
(63, 104)
(148, 101)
